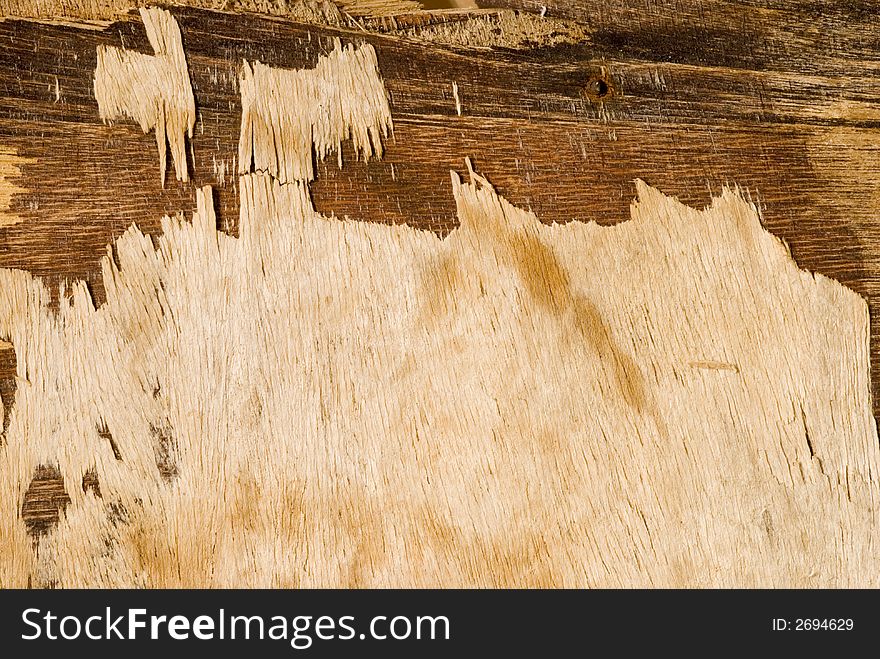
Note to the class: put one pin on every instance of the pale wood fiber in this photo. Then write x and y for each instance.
(154, 90)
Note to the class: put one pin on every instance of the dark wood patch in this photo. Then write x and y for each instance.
(90, 483)
(8, 384)
(44, 501)
(821, 38)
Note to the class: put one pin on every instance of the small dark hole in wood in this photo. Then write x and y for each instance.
(598, 89)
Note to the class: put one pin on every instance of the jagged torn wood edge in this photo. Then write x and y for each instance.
(10, 177)
(286, 114)
(154, 90)
(267, 207)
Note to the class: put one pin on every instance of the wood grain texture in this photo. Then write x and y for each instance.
(811, 37)
(689, 96)
(670, 402)
(154, 90)
(787, 133)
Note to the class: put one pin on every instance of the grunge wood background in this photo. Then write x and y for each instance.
(767, 107)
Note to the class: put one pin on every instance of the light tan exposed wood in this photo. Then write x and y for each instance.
(391, 409)
(500, 29)
(154, 90)
(289, 117)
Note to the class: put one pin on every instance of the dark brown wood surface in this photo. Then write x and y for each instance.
(782, 99)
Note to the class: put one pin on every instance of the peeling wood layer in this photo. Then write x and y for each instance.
(290, 117)
(486, 406)
(498, 29)
(526, 114)
(154, 90)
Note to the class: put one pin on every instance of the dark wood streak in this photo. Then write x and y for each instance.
(8, 385)
(705, 94)
(822, 38)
